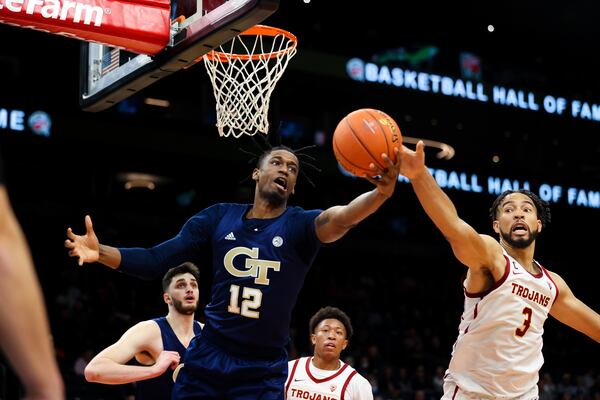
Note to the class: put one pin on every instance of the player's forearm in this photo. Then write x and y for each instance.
(109, 256)
(335, 222)
(359, 208)
(24, 331)
(107, 371)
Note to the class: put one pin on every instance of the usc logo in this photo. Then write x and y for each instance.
(259, 269)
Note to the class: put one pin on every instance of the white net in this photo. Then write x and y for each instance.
(244, 73)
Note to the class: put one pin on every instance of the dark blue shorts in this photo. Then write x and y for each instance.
(210, 373)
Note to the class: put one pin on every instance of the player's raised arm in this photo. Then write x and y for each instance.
(145, 263)
(471, 248)
(334, 222)
(110, 365)
(572, 312)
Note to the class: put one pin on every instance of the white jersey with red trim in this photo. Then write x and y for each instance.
(498, 352)
(307, 382)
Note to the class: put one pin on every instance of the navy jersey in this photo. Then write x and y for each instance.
(259, 266)
(160, 388)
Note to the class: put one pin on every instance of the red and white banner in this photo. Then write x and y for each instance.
(140, 26)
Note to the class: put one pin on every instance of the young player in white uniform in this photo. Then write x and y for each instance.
(324, 376)
(508, 295)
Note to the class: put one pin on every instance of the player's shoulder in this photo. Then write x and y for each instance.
(218, 210)
(360, 383)
(361, 380)
(143, 331)
(297, 211)
(295, 361)
(556, 278)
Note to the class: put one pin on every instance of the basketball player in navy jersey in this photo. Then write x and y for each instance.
(261, 255)
(508, 294)
(157, 344)
(24, 329)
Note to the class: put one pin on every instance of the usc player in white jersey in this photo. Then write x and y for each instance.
(508, 295)
(324, 376)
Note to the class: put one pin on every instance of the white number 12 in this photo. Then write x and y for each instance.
(252, 299)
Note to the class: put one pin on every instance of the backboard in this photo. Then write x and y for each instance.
(109, 75)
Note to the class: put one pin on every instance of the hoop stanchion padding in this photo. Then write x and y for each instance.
(141, 26)
(244, 73)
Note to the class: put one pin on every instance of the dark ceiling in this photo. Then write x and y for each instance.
(543, 47)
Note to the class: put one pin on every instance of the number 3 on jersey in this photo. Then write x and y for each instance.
(526, 324)
(251, 301)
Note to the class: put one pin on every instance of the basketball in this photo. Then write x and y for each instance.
(361, 137)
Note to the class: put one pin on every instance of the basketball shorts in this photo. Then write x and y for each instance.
(453, 392)
(210, 373)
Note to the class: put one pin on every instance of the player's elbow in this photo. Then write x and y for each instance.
(91, 373)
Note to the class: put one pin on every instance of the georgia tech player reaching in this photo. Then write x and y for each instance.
(261, 255)
(508, 295)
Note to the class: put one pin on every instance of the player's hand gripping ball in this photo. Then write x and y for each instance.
(361, 137)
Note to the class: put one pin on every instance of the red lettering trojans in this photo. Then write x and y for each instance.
(530, 294)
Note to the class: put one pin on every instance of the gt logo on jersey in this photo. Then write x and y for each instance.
(255, 267)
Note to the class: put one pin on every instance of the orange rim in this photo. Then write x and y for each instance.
(256, 30)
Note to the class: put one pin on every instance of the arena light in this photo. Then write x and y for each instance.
(157, 102)
(138, 180)
(446, 151)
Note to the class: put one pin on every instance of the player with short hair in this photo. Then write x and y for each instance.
(508, 294)
(261, 255)
(157, 344)
(324, 375)
(24, 329)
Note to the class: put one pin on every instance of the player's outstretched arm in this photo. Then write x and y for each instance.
(110, 365)
(140, 262)
(471, 248)
(88, 249)
(572, 312)
(24, 329)
(334, 222)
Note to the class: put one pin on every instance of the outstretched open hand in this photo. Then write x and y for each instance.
(86, 247)
(388, 177)
(412, 163)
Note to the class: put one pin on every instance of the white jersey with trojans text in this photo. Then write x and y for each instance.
(307, 382)
(498, 353)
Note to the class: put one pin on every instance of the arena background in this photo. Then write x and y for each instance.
(394, 274)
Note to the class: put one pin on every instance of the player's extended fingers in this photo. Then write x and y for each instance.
(376, 169)
(70, 234)
(69, 244)
(392, 168)
(397, 154)
(174, 356)
(420, 147)
(88, 224)
(387, 160)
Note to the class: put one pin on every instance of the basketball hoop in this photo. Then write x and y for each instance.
(244, 73)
